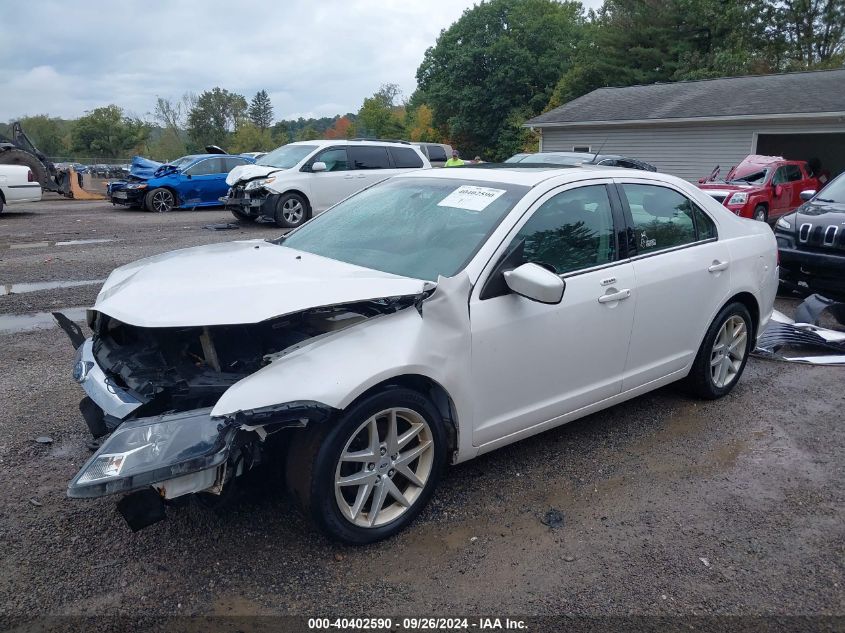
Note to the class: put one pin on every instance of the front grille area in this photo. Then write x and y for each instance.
(822, 237)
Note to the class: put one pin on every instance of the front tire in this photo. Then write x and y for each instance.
(160, 200)
(291, 210)
(761, 214)
(363, 477)
(723, 354)
(240, 215)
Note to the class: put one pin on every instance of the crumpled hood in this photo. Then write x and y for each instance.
(238, 283)
(248, 172)
(723, 188)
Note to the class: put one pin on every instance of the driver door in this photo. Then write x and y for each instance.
(781, 193)
(533, 362)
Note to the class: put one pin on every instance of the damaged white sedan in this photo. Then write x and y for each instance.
(424, 321)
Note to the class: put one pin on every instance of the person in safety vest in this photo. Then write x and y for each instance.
(455, 161)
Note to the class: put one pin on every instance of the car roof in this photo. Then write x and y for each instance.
(514, 174)
(346, 141)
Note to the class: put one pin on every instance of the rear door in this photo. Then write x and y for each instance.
(682, 274)
(371, 163)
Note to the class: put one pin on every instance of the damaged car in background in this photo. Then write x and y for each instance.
(426, 320)
(189, 182)
(299, 180)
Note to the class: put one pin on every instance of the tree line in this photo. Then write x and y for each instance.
(501, 63)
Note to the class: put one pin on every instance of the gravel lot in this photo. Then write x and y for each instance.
(670, 505)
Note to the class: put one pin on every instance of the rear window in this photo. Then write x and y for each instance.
(405, 157)
(435, 152)
(369, 157)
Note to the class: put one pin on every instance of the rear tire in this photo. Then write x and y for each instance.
(291, 210)
(353, 499)
(160, 200)
(761, 214)
(723, 354)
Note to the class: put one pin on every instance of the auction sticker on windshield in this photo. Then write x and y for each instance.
(471, 198)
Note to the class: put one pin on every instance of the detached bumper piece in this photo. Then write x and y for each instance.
(154, 450)
(784, 338)
(253, 203)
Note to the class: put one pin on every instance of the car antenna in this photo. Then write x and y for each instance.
(601, 147)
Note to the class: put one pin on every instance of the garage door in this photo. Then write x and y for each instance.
(826, 147)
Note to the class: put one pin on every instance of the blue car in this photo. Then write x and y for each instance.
(198, 180)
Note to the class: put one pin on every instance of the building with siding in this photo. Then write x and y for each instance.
(687, 128)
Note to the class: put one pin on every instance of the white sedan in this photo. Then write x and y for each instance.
(429, 319)
(18, 184)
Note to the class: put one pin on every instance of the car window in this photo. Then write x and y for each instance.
(663, 218)
(705, 228)
(335, 159)
(233, 161)
(405, 157)
(793, 173)
(780, 176)
(570, 231)
(611, 162)
(435, 152)
(206, 167)
(369, 157)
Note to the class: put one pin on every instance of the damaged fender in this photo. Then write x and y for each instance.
(432, 341)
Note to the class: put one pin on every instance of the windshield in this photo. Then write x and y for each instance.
(414, 227)
(550, 159)
(752, 175)
(834, 192)
(181, 162)
(286, 156)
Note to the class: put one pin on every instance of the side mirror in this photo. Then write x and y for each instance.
(188, 176)
(534, 282)
(778, 190)
(318, 166)
(807, 194)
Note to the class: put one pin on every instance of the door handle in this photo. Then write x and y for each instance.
(362, 175)
(718, 266)
(349, 177)
(615, 296)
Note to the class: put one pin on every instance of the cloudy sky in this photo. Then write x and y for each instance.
(314, 58)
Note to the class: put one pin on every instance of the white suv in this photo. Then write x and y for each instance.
(299, 180)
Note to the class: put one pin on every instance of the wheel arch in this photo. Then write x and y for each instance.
(170, 188)
(428, 387)
(750, 302)
(299, 192)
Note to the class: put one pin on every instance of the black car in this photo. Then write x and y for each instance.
(580, 158)
(811, 242)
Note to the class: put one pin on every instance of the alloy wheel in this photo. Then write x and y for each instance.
(728, 352)
(162, 201)
(292, 211)
(384, 467)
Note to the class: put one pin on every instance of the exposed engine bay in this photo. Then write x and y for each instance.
(179, 369)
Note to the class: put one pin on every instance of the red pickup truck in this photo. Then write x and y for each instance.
(762, 187)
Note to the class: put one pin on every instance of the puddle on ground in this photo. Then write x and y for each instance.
(11, 323)
(35, 286)
(22, 245)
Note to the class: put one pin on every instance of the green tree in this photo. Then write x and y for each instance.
(249, 138)
(308, 133)
(261, 110)
(280, 133)
(215, 116)
(501, 56)
(811, 33)
(107, 132)
(49, 134)
(380, 116)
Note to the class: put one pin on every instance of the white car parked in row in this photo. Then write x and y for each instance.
(426, 320)
(299, 180)
(18, 184)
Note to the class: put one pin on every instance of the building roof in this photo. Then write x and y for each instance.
(803, 93)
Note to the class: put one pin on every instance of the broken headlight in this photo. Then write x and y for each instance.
(258, 183)
(740, 197)
(150, 450)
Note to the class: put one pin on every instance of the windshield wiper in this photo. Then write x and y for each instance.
(825, 200)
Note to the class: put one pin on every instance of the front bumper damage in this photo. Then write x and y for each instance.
(255, 203)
